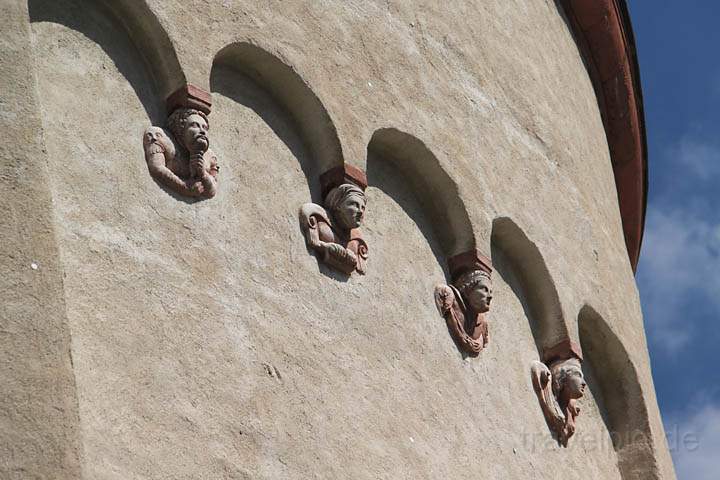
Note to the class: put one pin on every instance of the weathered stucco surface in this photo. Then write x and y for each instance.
(206, 342)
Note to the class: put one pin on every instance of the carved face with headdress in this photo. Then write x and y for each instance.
(476, 287)
(568, 379)
(190, 128)
(347, 204)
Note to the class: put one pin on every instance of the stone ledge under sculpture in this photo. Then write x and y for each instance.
(465, 302)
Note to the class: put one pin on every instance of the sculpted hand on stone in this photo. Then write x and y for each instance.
(558, 387)
(333, 232)
(465, 303)
(182, 161)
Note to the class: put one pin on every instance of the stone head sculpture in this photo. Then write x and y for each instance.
(465, 302)
(476, 288)
(332, 230)
(568, 380)
(182, 160)
(559, 383)
(190, 128)
(346, 204)
(155, 141)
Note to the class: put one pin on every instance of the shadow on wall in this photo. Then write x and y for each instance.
(241, 70)
(240, 88)
(406, 170)
(385, 176)
(131, 36)
(613, 380)
(519, 262)
(435, 191)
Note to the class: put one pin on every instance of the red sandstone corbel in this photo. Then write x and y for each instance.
(336, 176)
(189, 96)
(563, 350)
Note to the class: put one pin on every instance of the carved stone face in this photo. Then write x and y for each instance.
(349, 213)
(479, 295)
(476, 289)
(153, 135)
(195, 134)
(574, 383)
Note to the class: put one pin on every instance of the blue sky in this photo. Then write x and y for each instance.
(678, 274)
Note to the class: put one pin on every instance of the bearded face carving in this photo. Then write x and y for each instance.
(465, 302)
(180, 158)
(332, 231)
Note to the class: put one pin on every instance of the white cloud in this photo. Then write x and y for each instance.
(701, 157)
(678, 264)
(694, 442)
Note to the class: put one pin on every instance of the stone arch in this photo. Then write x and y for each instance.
(613, 380)
(142, 27)
(435, 190)
(519, 261)
(282, 82)
(152, 41)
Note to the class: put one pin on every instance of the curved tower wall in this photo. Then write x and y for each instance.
(161, 337)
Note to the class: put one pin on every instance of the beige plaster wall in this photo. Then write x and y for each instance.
(207, 343)
(38, 406)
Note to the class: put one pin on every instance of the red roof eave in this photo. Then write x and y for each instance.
(604, 35)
